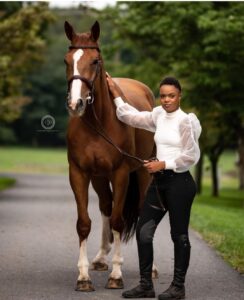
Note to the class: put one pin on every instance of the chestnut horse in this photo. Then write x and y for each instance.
(95, 138)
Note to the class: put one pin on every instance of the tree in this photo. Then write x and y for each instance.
(202, 44)
(22, 44)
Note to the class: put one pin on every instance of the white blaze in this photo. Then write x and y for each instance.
(77, 83)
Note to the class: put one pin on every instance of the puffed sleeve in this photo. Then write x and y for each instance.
(135, 118)
(190, 130)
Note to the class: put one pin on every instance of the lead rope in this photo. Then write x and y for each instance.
(103, 134)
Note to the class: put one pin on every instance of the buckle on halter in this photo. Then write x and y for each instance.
(90, 98)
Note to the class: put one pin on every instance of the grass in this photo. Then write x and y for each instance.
(33, 160)
(6, 182)
(219, 220)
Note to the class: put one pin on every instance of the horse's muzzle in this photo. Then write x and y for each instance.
(78, 108)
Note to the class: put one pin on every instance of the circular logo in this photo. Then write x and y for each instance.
(48, 122)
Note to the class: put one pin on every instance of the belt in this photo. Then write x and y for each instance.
(164, 172)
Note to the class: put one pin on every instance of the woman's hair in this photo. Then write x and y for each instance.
(171, 81)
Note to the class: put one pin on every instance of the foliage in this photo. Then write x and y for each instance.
(22, 43)
(203, 45)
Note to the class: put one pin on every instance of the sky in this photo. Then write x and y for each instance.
(97, 4)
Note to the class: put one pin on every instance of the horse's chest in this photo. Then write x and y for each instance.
(95, 157)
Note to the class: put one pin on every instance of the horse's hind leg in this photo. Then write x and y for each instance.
(79, 183)
(120, 183)
(102, 188)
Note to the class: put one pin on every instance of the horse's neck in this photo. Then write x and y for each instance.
(102, 104)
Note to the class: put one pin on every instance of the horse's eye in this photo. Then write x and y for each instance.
(95, 61)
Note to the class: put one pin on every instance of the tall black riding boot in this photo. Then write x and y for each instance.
(145, 289)
(182, 250)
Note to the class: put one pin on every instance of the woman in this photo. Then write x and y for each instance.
(176, 137)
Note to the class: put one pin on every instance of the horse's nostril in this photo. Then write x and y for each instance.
(80, 103)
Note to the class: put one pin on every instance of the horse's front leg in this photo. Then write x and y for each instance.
(120, 184)
(79, 182)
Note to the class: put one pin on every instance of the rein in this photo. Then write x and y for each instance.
(104, 135)
(90, 84)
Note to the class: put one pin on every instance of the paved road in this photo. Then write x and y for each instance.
(39, 249)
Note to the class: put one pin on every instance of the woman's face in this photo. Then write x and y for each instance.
(169, 97)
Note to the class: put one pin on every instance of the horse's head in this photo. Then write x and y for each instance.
(82, 67)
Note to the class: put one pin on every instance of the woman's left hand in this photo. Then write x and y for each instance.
(154, 166)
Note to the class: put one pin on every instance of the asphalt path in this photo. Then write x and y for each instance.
(39, 249)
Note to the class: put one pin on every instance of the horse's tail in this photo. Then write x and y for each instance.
(131, 208)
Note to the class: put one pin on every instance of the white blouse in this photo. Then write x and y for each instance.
(176, 134)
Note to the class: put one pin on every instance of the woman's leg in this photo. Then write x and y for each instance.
(150, 217)
(179, 197)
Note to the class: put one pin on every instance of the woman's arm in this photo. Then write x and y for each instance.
(131, 116)
(190, 130)
(127, 113)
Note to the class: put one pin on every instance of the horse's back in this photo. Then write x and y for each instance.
(137, 93)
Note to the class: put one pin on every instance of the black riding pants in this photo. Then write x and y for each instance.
(177, 191)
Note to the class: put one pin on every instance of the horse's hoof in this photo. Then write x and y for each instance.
(154, 274)
(84, 286)
(115, 283)
(98, 266)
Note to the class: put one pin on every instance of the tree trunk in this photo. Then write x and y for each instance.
(241, 159)
(215, 179)
(199, 174)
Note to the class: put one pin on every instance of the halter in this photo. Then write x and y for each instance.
(88, 82)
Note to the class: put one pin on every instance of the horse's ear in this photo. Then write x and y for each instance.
(95, 31)
(69, 30)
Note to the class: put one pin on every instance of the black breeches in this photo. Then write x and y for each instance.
(177, 191)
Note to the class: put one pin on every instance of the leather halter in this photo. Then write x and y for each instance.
(88, 82)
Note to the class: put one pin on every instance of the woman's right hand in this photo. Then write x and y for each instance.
(113, 87)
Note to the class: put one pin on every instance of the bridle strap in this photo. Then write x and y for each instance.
(89, 83)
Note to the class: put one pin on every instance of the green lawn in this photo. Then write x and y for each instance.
(221, 220)
(33, 160)
(6, 182)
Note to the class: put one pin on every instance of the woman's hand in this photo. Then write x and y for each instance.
(154, 166)
(113, 87)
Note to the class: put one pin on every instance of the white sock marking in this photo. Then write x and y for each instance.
(83, 263)
(105, 246)
(117, 257)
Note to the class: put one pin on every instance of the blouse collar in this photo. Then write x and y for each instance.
(173, 114)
